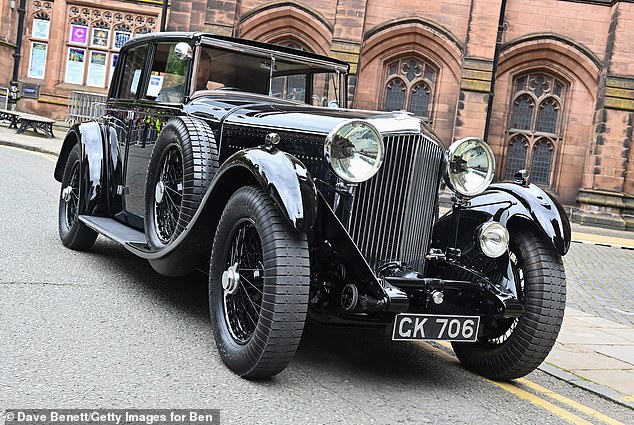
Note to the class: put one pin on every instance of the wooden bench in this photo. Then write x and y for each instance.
(35, 122)
(12, 116)
(28, 121)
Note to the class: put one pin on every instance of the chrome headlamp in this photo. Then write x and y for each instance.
(493, 239)
(354, 149)
(471, 166)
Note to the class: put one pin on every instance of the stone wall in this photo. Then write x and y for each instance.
(587, 47)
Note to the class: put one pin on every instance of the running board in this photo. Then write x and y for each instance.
(127, 236)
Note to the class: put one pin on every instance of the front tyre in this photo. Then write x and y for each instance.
(258, 285)
(520, 345)
(73, 233)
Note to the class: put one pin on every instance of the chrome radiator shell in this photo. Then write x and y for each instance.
(393, 213)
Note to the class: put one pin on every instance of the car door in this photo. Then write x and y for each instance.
(160, 98)
(120, 114)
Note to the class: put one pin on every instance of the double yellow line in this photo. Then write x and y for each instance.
(567, 415)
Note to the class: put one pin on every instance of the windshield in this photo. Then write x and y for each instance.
(277, 77)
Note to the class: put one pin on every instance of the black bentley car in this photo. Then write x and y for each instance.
(241, 159)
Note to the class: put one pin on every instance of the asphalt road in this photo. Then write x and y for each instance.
(101, 329)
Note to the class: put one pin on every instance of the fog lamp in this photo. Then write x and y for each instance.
(493, 239)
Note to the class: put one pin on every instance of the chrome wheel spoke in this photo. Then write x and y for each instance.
(168, 207)
(243, 295)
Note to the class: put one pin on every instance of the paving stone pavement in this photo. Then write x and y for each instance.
(600, 281)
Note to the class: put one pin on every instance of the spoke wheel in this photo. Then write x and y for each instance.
(73, 233)
(259, 278)
(502, 329)
(70, 197)
(244, 279)
(168, 196)
(184, 160)
(512, 348)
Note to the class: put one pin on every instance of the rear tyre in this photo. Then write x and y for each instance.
(73, 233)
(184, 160)
(519, 345)
(258, 286)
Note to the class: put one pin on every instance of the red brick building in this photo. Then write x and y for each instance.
(564, 87)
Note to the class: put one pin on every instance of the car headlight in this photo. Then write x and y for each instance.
(493, 239)
(471, 166)
(354, 150)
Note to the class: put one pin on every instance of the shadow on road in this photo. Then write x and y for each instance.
(333, 350)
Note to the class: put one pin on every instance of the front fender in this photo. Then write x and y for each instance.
(285, 178)
(512, 204)
(90, 138)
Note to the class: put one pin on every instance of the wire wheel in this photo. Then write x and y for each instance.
(513, 348)
(168, 193)
(243, 281)
(504, 327)
(259, 279)
(73, 233)
(71, 197)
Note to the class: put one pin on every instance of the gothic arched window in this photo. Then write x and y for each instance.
(522, 113)
(547, 118)
(534, 126)
(394, 95)
(515, 156)
(409, 85)
(542, 159)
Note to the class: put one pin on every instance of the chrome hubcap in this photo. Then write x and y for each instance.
(67, 193)
(231, 279)
(159, 191)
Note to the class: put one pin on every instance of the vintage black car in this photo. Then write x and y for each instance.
(240, 158)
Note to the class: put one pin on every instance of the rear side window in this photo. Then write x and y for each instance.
(167, 77)
(134, 62)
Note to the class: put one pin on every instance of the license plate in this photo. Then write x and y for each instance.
(435, 327)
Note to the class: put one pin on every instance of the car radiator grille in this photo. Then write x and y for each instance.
(393, 212)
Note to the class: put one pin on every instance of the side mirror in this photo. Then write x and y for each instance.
(183, 51)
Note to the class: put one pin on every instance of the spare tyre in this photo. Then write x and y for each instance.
(184, 161)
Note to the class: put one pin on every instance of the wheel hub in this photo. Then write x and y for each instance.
(159, 191)
(66, 193)
(231, 279)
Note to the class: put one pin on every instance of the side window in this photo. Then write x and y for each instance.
(167, 77)
(134, 62)
(291, 87)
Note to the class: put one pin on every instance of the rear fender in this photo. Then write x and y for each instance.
(511, 205)
(90, 137)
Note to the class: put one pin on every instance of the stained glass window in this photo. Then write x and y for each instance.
(522, 113)
(419, 100)
(409, 86)
(542, 158)
(547, 119)
(515, 156)
(537, 102)
(394, 95)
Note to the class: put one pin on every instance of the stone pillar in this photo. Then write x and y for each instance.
(475, 87)
(606, 197)
(220, 17)
(477, 67)
(187, 15)
(347, 38)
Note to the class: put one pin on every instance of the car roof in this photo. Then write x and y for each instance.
(229, 42)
